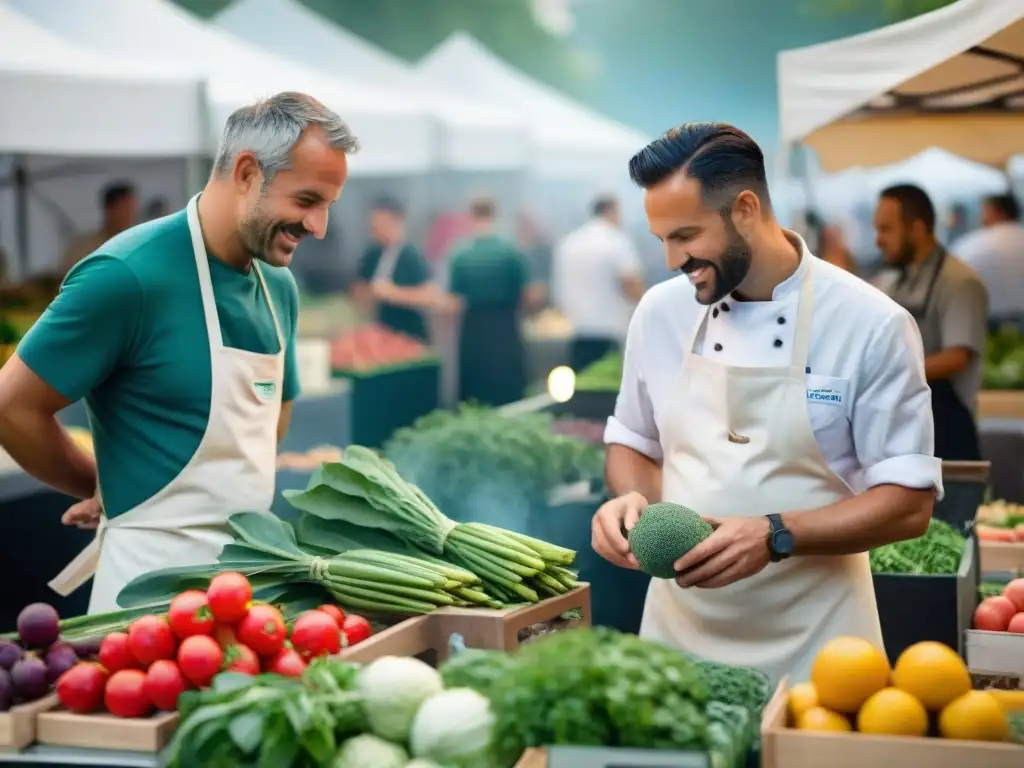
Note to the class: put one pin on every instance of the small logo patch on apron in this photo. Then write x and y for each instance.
(826, 395)
(264, 389)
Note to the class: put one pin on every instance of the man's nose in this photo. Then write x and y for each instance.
(316, 224)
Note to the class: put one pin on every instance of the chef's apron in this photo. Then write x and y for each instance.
(492, 356)
(232, 470)
(956, 433)
(738, 442)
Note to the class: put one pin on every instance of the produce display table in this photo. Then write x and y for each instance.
(43, 756)
(1001, 404)
(387, 399)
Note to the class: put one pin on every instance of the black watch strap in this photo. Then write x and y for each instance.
(777, 530)
(775, 521)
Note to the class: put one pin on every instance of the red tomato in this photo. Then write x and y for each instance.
(1003, 605)
(356, 629)
(114, 653)
(287, 662)
(990, 618)
(262, 630)
(80, 689)
(1014, 592)
(241, 658)
(225, 635)
(1016, 625)
(125, 694)
(164, 684)
(200, 659)
(190, 614)
(150, 639)
(229, 595)
(334, 612)
(315, 634)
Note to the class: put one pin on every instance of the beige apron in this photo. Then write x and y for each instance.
(232, 470)
(738, 442)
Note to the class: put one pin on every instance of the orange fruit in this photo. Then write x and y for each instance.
(846, 671)
(802, 697)
(821, 719)
(893, 712)
(977, 716)
(933, 673)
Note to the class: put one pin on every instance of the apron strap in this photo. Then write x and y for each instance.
(205, 281)
(83, 567)
(698, 327)
(804, 313)
(270, 303)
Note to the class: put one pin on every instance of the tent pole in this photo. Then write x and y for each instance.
(20, 177)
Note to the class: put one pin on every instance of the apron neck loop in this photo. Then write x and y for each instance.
(804, 312)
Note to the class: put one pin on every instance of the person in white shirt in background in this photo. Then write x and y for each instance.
(597, 281)
(996, 253)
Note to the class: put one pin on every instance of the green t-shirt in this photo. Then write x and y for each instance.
(488, 272)
(128, 334)
(411, 269)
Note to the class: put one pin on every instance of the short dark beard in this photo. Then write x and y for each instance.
(732, 266)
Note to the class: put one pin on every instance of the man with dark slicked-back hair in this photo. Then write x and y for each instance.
(778, 396)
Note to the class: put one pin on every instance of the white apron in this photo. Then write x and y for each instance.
(232, 470)
(738, 442)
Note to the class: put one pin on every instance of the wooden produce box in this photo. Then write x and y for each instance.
(997, 556)
(18, 724)
(61, 728)
(785, 747)
(409, 637)
(1001, 404)
(995, 651)
(499, 630)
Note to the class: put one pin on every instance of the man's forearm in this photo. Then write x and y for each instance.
(880, 515)
(415, 297)
(947, 363)
(44, 449)
(627, 470)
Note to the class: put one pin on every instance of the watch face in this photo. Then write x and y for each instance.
(782, 542)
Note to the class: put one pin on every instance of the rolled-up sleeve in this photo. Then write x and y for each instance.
(892, 417)
(633, 424)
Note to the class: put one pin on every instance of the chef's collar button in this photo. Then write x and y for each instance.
(778, 342)
(725, 307)
(782, 321)
(807, 369)
(714, 313)
(718, 347)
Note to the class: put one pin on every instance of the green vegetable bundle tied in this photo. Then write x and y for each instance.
(364, 490)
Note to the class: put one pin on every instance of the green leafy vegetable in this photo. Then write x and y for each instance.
(938, 552)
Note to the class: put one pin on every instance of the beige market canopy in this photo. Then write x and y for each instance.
(953, 78)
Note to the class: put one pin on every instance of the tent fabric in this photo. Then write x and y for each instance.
(572, 140)
(396, 138)
(473, 137)
(59, 99)
(952, 78)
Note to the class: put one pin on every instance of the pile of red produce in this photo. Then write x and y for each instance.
(203, 634)
(373, 346)
(1002, 613)
(30, 665)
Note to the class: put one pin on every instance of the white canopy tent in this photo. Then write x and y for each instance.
(473, 137)
(571, 140)
(396, 138)
(953, 79)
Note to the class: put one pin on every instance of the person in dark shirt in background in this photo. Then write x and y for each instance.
(393, 277)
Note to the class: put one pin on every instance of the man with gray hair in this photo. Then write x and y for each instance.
(180, 335)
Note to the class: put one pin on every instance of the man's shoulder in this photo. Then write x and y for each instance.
(672, 301)
(281, 281)
(853, 298)
(956, 273)
(149, 247)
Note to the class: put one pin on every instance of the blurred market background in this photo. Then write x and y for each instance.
(536, 105)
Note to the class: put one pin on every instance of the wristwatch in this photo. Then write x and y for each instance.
(780, 539)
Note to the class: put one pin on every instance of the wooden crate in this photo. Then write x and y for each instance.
(18, 725)
(499, 630)
(1001, 404)
(996, 651)
(998, 556)
(785, 747)
(409, 637)
(61, 728)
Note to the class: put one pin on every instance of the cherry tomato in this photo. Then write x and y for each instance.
(334, 612)
(241, 658)
(125, 694)
(286, 662)
(150, 639)
(356, 629)
(115, 654)
(190, 614)
(315, 634)
(262, 630)
(80, 689)
(164, 684)
(225, 635)
(229, 595)
(200, 659)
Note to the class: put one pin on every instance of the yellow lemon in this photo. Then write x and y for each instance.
(932, 673)
(893, 712)
(802, 697)
(977, 716)
(846, 671)
(821, 719)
